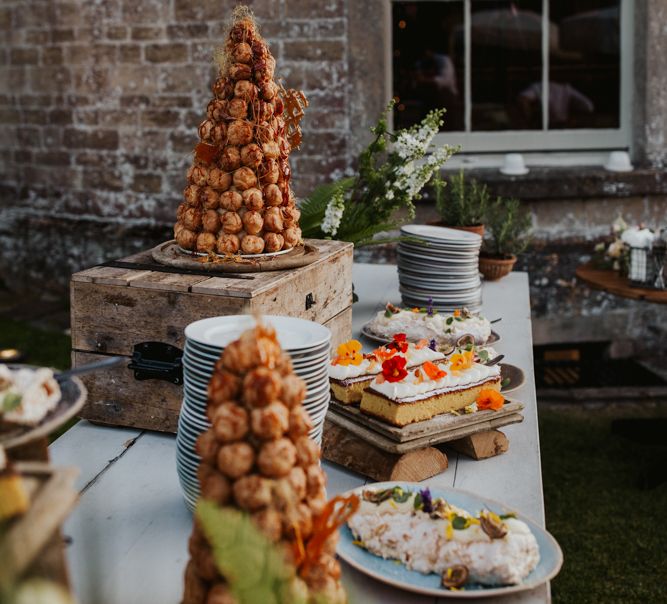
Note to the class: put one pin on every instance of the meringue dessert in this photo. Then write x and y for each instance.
(428, 324)
(430, 535)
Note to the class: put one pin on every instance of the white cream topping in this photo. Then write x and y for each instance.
(410, 388)
(418, 325)
(429, 545)
(367, 367)
(38, 390)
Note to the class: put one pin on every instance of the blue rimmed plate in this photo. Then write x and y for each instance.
(396, 574)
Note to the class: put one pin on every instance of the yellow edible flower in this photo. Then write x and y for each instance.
(462, 360)
(349, 353)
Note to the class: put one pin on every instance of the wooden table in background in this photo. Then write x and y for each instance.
(612, 282)
(131, 528)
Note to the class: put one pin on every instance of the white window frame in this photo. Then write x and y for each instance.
(586, 141)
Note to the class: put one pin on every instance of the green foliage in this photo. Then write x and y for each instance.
(463, 203)
(255, 569)
(508, 227)
(41, 347)
(391, 172)
(612, 533)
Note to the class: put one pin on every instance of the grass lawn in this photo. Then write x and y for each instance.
(613, 534)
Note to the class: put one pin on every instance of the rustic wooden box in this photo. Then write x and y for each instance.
(113, 309)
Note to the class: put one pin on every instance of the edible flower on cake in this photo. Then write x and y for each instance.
(429, 390)
(430, 535)
(429, 324)
(350, 371)
(490, 399)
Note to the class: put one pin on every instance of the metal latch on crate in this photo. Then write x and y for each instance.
(157, 361)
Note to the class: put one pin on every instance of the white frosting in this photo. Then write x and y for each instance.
(428, 545)
(38, 390)
(410, 389)
(368, 368)
(418, 325)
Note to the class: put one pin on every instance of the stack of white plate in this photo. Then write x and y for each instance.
(439, 267)
(307, 343)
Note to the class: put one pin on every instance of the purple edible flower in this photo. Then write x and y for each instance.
(432, 346)
(429, 308)
(427, 502)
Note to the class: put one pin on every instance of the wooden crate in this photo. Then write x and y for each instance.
(113, 309)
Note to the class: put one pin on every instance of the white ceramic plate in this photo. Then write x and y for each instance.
(440, 234)
(293, 334)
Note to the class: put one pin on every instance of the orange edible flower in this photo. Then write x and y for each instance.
(421, 344)
(416, 309)
(461, 361)
(349, 353)
(490, 399)
(433, 371)
(457, 313)
(336, 513)
(419, 376)
(383, 353)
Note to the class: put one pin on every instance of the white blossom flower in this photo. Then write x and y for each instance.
(333, 214)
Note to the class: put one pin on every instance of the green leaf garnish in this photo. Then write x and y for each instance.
(505, 382)
(460, 523)
(388, 314)
(418, 503)
(399, 495)
(506, 516)
(251, 564)
(449, 320)
(11, 401)
(483, 354)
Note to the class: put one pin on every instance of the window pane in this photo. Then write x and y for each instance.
(584, 67)
(506, 64)
(428, 56)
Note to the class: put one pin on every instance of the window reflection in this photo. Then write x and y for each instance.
(584, 69)
(506, 59)
(428, 59)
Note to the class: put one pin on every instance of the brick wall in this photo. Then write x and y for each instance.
(99, 105)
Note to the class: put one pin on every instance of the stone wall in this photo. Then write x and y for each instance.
(100, 101)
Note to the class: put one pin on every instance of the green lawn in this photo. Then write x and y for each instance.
(613, 534)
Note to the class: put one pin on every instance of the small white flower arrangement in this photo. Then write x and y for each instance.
(391, 174)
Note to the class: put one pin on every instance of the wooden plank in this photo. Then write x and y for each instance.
(481, 445)
(168, 281)
(24, 539)
(391, 446)
(236, 288)
(612, 282)
(92, 449)
(107, 275)
(341, 327)
(440, 424)
(342, 447)
(111, 320)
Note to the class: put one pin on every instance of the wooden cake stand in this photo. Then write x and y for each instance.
(612, 282)
(412, 453)
(170, 254)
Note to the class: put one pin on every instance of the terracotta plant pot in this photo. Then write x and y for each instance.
(475, 228)
(494, 268)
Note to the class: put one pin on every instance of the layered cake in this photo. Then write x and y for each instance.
(401, 396)
(351, 372)
(429, 535)
(429, 324)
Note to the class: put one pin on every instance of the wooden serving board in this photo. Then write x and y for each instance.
(170, 254)
(31, 545)
(392, 446)
(437, 426)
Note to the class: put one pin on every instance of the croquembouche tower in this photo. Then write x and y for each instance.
(257, 457)
(239, 199)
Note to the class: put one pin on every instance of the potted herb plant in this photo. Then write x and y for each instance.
(462, 205)
(508, 229)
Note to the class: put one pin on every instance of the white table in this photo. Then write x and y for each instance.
(130, 531)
